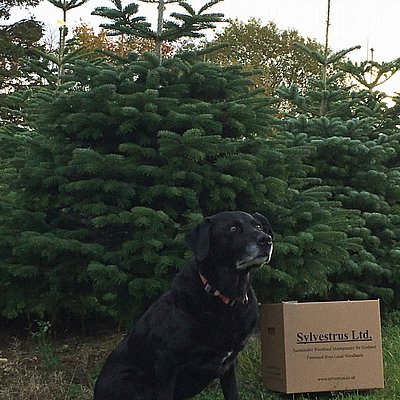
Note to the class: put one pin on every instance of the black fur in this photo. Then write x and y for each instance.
(189, 337)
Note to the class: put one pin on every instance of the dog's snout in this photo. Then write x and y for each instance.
(264, 239)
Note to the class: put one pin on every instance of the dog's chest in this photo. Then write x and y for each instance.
(226, 357)
(213, 362)
(223, 361)
(215, 349)
(203, 366)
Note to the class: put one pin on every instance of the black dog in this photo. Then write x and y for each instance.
(194, 332)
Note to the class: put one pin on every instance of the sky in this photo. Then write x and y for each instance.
(369, 23)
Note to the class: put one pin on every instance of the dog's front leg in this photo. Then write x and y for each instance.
(229, 383)
(165, 381)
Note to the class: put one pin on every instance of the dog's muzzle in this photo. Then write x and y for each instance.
(256, 253)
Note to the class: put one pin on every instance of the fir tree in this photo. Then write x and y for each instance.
(115, 164)
(188, 23)
(356, 154)
(94, 219)
(52, 66)
(128, 160)
(120, 166)
(370, 73)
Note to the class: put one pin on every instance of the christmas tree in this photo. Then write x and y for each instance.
(355, 152)
(122, 159)
(116, 161)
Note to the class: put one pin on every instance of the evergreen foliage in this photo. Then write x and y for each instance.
(52, 66)
(111, 163)
(16, 40)
(187, 23)
(116, 166)
(125, 161)
(355, 152)
(370, 73)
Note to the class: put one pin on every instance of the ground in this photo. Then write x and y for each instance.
(38, 367)
(53, 369)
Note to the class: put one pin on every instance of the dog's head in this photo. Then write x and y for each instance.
(233, 238)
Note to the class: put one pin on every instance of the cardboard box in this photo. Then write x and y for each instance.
(318, 347)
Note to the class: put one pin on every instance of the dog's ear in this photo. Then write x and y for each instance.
(265, 223)
(198, 240)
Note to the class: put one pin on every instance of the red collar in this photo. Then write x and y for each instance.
(215, 292)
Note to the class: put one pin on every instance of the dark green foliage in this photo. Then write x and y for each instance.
(312, 232)
(117, 168)
(356, 152)
(110, 165)
(371, 74)
(16, 40)
(7, 5)
(124, 162)
(124, 19)
(188, 23)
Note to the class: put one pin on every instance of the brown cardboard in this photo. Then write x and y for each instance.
(318, 347)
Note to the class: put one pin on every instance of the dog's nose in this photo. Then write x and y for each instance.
(264, 239)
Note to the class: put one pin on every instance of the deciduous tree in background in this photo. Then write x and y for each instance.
(269, 49)
(100, 44)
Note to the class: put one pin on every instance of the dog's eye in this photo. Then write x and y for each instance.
(258, 227)
(233, 228)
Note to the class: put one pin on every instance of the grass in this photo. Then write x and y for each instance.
(34, 369)
(251, 381)
(40, 368)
